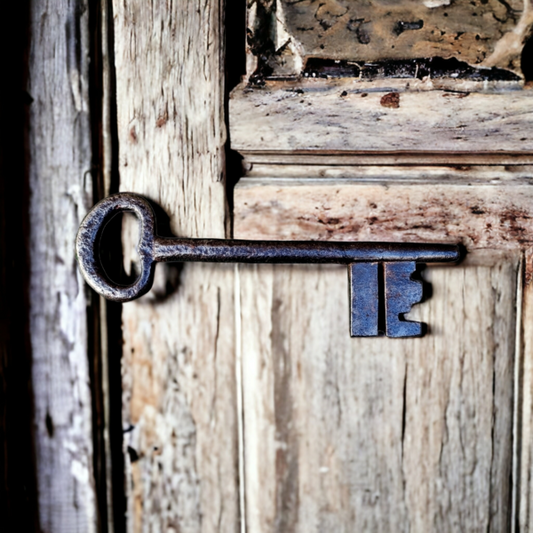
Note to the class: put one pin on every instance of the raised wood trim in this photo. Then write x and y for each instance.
(383, 159)
(481, 215)
(339, 116)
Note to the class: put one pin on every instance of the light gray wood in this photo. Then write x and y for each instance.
(349, 434)
(346, 115)
(60, 184)
(424, 170)
(179, 393)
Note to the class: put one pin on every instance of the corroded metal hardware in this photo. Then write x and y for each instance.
(381, 287)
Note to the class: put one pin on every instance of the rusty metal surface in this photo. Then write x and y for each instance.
(363, 258)
(401, 293)
(365, 299)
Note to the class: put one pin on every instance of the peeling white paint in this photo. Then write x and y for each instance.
(79, 471)
(436, 3)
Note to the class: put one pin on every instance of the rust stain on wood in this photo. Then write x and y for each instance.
(391, 100)
(479, 216)
(528, 271)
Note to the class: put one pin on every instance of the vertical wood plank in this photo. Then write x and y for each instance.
(377, 434)
(178, 359)
(525, 403)
(60, 186)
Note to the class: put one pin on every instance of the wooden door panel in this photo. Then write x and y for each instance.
(347, 434)
(380, 434)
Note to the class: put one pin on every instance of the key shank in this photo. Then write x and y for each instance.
(241, 251)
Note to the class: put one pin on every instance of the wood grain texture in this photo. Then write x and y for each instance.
(169, 69)
(347, 434)
(394, 170)
(179, 403)
(373, 434)
(344, 116)
(60, 184)
(481, 215)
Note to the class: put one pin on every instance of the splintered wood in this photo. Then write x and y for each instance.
(487, 33)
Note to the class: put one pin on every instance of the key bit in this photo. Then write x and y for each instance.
(380, 294)
(364, 299)
(401, 293)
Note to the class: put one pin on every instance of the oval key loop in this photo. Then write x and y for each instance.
(381, 273)
(88, 246)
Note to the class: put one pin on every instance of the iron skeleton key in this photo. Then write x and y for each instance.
(381, 287)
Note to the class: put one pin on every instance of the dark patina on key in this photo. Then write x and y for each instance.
(381, 286)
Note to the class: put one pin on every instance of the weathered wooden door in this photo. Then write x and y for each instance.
(231, 398)
(350, 132)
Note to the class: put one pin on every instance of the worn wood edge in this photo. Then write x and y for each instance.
(60, 185)
(517, 399)
(439, 174)
(301, 85)
(328, 120)
(356, 85)
(239, 377)
(480, 216)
